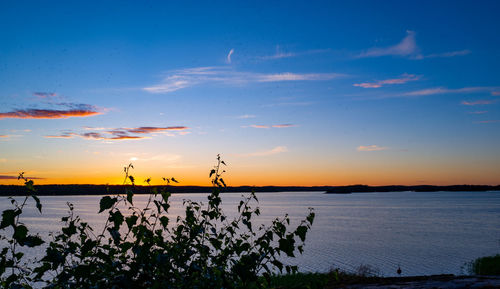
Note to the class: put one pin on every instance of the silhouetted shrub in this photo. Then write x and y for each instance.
(143, 248)
(486, 266)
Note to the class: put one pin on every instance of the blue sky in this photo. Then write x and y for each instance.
(290, 93)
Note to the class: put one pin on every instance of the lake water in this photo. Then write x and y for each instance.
(423, 233)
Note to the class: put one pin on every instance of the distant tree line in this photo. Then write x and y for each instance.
(61, 190)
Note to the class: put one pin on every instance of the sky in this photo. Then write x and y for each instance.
(288, 92)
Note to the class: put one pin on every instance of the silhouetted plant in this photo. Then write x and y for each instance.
(489, 265)
(143, 248)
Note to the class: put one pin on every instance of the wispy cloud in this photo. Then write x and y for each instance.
(123, 133)
(228, 58)
(246, 116)
(371, 148)
(153, 129)
(44, 94)
(443, 90)
(4, 136)
(257, 126)
(495, 93)
(76, 110)
(63, 135)
(95, 128)
(401, 80)
(283, 125)
(102, 136)
(274, 151)
(280, 53)
(406, 47)
(288, 76)
(269, 126)
(477, 102)
(488, 121)
(478, 112)
(7, 177)
(226, 76)
(448, 54)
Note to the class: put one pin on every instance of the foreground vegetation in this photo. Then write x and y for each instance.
(486, 266)
(143, 248)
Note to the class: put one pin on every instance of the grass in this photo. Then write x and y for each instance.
(365, 275)
(332, 279)
(300, 280)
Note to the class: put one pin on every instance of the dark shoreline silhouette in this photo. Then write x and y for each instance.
(61, 190)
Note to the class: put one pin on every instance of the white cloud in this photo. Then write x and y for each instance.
(401, 80)
(279, 54)
(228, 58)
(443, 90)
(285, 125)
(477, 102)
(225, 75)
(448, 54)
(287, 76)
(169, 85)
(407, 47)
(246, 116)
(371, 148)
(274, 151)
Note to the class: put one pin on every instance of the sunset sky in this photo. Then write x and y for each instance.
(289, 93)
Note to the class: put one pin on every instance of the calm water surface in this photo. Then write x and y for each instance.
(424, 233)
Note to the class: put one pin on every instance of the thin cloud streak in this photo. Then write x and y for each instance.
(406, 47)
(448, 54)
(228, 58)
(279, 54)
(477, 102)
(151, 129)
(7, 177)
(44, 94)
(371, 148)
(246, 116)
(488, 121)
(123, 133)
(64, 135)
(274, 151)
(287, 76)
(48, 113)
(269, 126)
(403, 79)
(184, 78)
(443, 90)
(258, 126)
